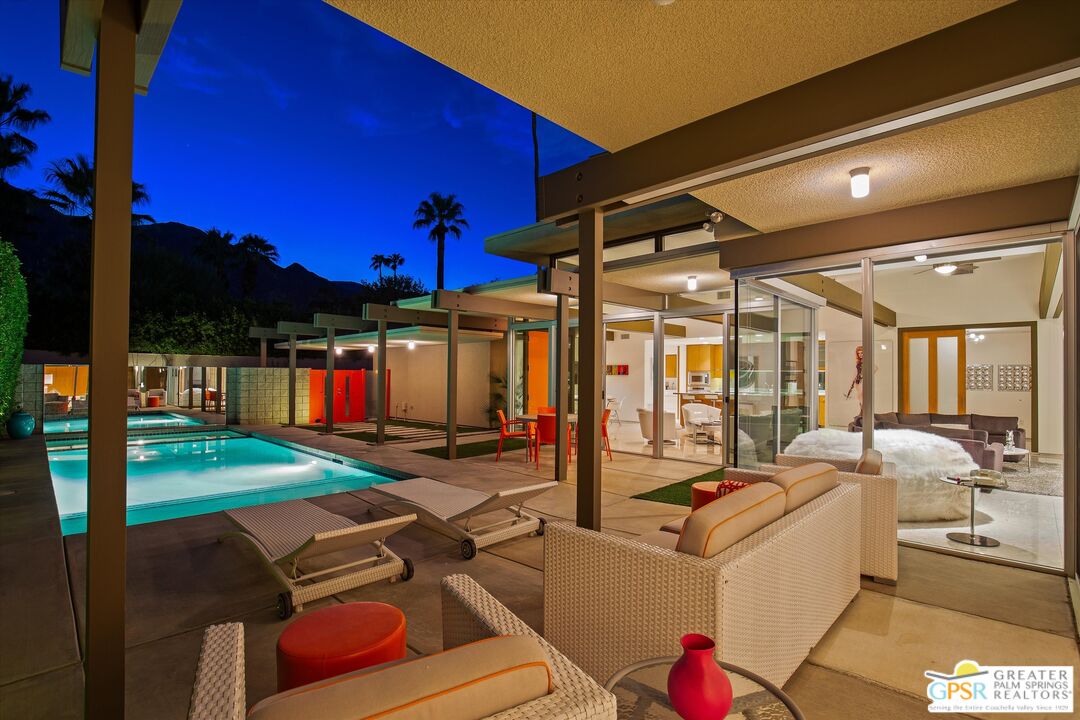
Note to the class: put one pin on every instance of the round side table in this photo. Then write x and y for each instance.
(641, 692)
(702, 493)
(338, 639)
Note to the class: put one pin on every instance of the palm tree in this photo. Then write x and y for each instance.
(73, 179)
(394, 262)
(217, 250)
(16, 148)
(378, 262)
(444, 215)
(254, 249)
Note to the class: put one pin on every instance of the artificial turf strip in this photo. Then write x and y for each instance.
(487, 447)
(679, 493)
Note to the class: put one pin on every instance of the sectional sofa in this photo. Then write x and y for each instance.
(983, 436)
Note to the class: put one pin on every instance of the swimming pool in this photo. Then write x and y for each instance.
(182, 474)
(139, 421)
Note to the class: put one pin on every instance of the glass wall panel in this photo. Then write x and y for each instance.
(757, 376)
(798, 350)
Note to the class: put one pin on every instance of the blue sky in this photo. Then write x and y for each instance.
(304, 125)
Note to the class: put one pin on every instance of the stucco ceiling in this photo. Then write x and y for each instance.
(619, 71)
(1026, 142)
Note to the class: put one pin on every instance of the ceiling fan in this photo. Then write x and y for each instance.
(949, 267)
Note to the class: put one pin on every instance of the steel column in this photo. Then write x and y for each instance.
(1071, 314)
(658, 387)
(380, 387)
(110, 272)
(328, 399)
(451, 383)
(868, 353)
(591, 334)
(202, 395)
(262, 352)
(292, 379)
(220, 384)
(561, 332)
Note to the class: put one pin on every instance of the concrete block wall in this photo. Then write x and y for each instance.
(260, 396)
(30, 391)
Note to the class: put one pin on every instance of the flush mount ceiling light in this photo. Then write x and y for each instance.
(339, 351)
(691, 282)
(920, 258)
(976, 337)
(370, 349)
(662, 3)
(412, 345)
(945, 268)
(860, 182)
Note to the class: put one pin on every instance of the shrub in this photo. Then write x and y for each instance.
(13, 317)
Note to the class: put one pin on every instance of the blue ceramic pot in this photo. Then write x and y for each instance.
(20, 425)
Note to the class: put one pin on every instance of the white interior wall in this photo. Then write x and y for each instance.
(1051, 343)
(1012, 347)
(843, 333)
(634, 390)
(418, 382)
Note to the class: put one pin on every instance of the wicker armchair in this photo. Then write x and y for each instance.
(611, 601)
(469, 613)
(879, 513)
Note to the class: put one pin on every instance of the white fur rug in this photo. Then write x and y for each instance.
(921, 460)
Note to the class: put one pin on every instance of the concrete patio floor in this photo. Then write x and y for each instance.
(180, 579)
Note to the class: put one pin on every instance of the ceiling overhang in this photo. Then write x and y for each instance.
(80, 24)
(419, 335)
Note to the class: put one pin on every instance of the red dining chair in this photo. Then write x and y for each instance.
(545, 435)
(603, 433)
(505, 432)
(545, 411)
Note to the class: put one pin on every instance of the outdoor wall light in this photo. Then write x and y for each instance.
(691, 282)
(860, 182)
(412, 345)
(945, 268)
(370, 349)
(339, 351)
(920, 258)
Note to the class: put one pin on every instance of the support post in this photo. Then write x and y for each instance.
(380, 387)
(262, 352)
(451, 383)
(191, 388)
(292, 379)
(658, 387)
(328, 400)
(1071, 311)
(110, 270)
(591, 335)
(202, 395)
(868, 353)
(220, 390)
(562, 389)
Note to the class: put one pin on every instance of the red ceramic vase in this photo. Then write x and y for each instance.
(698, 688)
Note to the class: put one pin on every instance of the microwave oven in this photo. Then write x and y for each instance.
(697, 380)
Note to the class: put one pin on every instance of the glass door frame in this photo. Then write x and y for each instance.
(1014, 237)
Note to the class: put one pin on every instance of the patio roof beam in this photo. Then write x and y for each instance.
(1050, 288)
(292, 330)
(556, 281)
(955, 71)
(485, 305)
(840, 297)
(264, 334)
(432, 318)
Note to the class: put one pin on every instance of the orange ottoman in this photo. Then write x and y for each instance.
(338, 639)
(153, 401)
(702, 493)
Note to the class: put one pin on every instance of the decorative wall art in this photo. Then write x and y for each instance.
(617, 370)
(1014, 378)
(980, 377)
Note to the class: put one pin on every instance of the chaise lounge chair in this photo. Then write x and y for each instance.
(453, 508)
(289, 533)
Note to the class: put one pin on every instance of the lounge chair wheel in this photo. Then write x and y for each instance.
(284, 606)
(407, 573)
(540, 530)
(468, 549)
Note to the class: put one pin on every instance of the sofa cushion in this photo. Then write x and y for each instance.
(913, 418)
(885, 417)
(675, 526)
(804, 483)
(465, 683)
(994, 423)
(870, 462)
(942, 419)
(661, 538)
(725, 521)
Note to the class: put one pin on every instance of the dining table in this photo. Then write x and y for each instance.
(531, 417)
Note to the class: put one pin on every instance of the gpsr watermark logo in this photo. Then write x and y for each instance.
(1001, 688)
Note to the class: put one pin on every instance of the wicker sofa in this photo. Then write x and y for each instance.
(879, 512)
(469, 614)
(766, 600)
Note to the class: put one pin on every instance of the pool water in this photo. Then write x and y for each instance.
(183, 474)
(140, 421)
